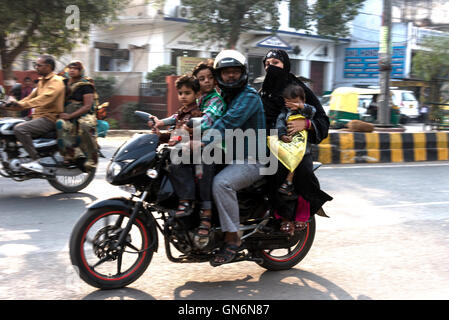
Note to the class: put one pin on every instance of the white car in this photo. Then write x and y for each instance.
(407, 103)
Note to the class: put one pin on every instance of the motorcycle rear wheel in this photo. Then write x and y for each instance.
(72, 184)
(284, 259)
(93, 254)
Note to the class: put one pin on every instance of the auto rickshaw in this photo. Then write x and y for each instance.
(351, 103)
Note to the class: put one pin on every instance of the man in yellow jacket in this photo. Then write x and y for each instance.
(48, 102)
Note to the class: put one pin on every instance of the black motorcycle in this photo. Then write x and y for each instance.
(113, 242)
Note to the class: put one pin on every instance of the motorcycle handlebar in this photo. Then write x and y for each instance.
(144, 115)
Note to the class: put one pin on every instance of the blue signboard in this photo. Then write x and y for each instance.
(363, 63)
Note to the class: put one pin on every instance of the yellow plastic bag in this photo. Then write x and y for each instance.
(289, 154)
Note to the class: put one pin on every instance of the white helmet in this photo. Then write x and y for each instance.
(231, 58)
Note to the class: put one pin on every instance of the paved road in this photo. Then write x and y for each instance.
(387, 238)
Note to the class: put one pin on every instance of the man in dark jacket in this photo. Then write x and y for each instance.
(245, 112)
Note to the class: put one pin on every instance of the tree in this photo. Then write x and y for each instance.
(223, 21)
(50, 26)
(159, 74)
(332, 16)
(432, 64)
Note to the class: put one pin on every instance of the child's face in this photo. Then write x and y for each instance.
(206, 80)
(293, 104)
(186, 95)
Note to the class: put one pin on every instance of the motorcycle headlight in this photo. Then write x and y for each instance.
(114, 169)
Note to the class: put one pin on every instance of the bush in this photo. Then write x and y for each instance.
(128, 119)
(105, 87)
(113, 123)
(159, 74)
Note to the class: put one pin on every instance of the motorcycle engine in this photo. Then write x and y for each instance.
(199, 242)
(14, 164)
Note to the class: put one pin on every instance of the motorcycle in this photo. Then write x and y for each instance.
(64, 177)
(113, 242)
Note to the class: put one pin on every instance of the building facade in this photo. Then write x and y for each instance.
(357, 60)
(145, 37)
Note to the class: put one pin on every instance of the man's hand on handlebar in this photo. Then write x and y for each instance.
(11, 105)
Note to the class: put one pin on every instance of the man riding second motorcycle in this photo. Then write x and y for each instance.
(47, 101)
(245, 112)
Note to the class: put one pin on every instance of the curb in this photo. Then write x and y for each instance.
(374, 147)
(125, 133)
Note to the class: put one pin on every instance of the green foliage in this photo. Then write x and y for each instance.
(223, 21)
(159, 74)
(44, 26)
(332, 16)
(299, 14)
(128, 119)
(113, 123)
(432, 64)
(105, 87)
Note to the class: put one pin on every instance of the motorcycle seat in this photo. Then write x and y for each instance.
(43, 142)
(47, 140)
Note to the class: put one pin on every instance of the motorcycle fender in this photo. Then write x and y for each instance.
(127, 205)
(122, 203)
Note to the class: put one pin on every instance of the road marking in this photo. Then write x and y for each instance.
(413, 204)
(370, 166)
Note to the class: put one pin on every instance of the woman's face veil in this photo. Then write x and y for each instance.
(280, 55)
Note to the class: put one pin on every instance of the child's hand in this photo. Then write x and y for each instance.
(186, 128)
(294, 105)
(286, 139)
(295, 126)
(155, 122)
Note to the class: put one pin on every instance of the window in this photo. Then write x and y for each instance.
(105, 63)
(114, 60)
(408, 96)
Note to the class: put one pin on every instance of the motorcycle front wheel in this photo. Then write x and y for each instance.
(284, 259)
(72, 184)
(94, 253)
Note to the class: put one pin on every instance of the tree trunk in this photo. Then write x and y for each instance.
(434, 97)
(236, 27)
(8, 74)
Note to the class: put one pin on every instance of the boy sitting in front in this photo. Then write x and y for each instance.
(182, 176)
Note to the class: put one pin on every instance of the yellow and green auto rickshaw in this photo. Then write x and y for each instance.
(351, 103)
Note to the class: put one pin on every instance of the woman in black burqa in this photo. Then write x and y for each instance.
(306, 184)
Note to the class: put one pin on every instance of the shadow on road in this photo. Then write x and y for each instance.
(291, 284)
(119, 294)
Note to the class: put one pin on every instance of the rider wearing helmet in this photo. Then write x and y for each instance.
(245, 112)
